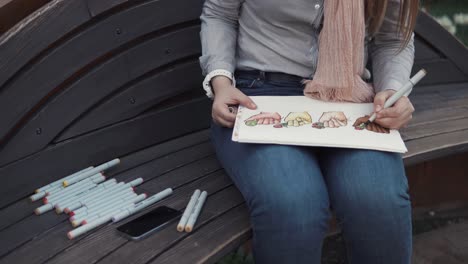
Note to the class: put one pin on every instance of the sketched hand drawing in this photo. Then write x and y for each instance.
(332, 119)
(264, 118)
(296, 119)
(371, 126)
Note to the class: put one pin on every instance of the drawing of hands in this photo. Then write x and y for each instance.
(333, 119)
(296, 119)
(264, 118)
(374, 127)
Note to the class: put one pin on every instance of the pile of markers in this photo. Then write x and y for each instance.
(190, 215)
(91, 201)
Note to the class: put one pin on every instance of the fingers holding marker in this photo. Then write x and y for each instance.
(380, 98)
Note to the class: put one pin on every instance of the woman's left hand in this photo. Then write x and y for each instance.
(396, 116)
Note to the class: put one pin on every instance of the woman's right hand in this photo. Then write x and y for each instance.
(227, 95)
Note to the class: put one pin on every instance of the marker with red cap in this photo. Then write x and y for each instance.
(116, 207)
(76, 205)
(142, 205)
(91, 211)
(89, 226)
(102, 196)
(51, 204)
(90, 205)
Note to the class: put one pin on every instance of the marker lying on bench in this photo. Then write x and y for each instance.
(188, 211)
(142, 205)
(51, 203)
(102, 187)
(91, 172)
(86, 201)
(111, 208)
(119, 214)
(196, 212)
(89, 226)
(97, 200)
(56, 185)
(405, 90)
(77, 188)
(100, 211)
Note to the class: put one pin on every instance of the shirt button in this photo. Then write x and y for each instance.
(317, 6)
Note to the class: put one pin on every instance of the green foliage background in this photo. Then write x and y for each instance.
(439, 8)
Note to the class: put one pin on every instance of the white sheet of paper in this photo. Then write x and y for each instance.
(345, 136)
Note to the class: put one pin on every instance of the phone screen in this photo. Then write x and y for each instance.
(149, 222)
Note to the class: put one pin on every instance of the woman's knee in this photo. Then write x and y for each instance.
(290, 208)
(366, 201)
(376, 181)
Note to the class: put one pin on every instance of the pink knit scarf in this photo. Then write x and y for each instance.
(341, 55)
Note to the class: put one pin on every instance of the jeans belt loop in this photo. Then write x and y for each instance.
(262, 75)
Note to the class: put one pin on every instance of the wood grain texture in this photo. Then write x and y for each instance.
(424, 51)
(124, 71)
(101, 146)
(451, 48)
(441, 71)
(176, 153)
(216, 205)
(33, 35)
(36, 85)
(106, 237)
(198, 157)
(138, 97)
(207, 166)
(429, 148)
(435, 128)
(13, 11)
(212, 240)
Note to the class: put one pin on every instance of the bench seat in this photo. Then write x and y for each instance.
(439, 126)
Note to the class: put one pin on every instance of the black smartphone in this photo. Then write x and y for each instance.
(150, 222)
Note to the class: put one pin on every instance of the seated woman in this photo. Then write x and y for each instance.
(319, 49)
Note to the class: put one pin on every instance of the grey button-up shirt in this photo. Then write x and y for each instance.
(282, 36)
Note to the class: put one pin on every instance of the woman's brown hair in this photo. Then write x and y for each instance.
(375, 13)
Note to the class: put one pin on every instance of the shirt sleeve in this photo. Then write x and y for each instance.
(219, 24)
(391, 67)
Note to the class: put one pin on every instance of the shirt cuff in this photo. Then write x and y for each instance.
(207, 81)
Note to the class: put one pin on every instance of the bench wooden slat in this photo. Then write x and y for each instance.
(163, 167)
(145, 94)
(94, 148)
(435, 128)
(424, 51)
(192, 172)
(33, 35)
(107, 236)
(26, 229)
(145, 250)
(433, 33)
(212, 241)
(48, 76)
(93, 89)
(429, 148)
(440, 71)
(13, 11)
(423, 117)
(23, 208)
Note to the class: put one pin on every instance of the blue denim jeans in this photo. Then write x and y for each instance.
(290, 190)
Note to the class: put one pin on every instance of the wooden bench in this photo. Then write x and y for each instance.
(85, 81)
